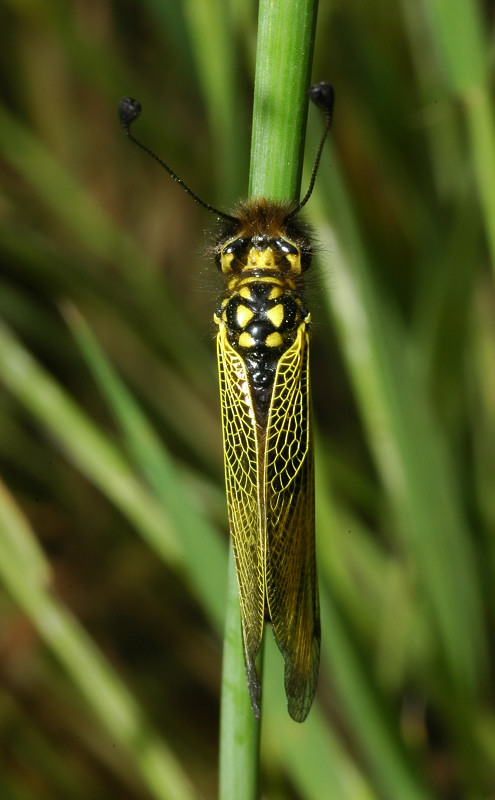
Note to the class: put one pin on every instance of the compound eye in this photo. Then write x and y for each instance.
(286, 247)
(236, 247)
(306, 255)
(233, 255)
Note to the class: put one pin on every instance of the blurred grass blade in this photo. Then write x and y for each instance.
(19, 546)
(461, 43)
(365, 712)
(62, 193)
(206, 562)
(314, 757)
(108, 698)
(214, 47)
(408, 446)
(481, 123)
(459, 38)
(85, 446)
(73, 205)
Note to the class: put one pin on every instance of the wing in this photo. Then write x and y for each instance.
(291, 585)
(243, 499)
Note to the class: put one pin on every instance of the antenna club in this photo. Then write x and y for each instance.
(129, 110)
(323, 96)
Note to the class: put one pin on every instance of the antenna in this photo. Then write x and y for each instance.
(323, 96)
(129, 110)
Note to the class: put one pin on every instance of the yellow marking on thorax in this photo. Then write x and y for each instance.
(245, 340)
(276, 315)
(274, 339)
(244, 315)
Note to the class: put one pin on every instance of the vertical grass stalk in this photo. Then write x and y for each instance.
(283, 65)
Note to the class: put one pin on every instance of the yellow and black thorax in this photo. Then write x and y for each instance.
(263, 308)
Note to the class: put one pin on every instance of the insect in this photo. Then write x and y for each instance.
(263, 364)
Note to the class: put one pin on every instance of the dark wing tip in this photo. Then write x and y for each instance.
(254, 686)
(300, 689)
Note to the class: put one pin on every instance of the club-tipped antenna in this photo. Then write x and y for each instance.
(322, 95)
(129, 110)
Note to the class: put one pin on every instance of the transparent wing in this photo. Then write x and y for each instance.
(292, 591)
(242, 478)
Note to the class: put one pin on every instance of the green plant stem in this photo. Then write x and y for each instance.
(240, 732)
(283, 64)
(283, 69)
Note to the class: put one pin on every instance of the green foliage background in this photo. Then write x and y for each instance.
(113, 538)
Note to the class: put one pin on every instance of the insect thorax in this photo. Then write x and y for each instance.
(263, 308)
